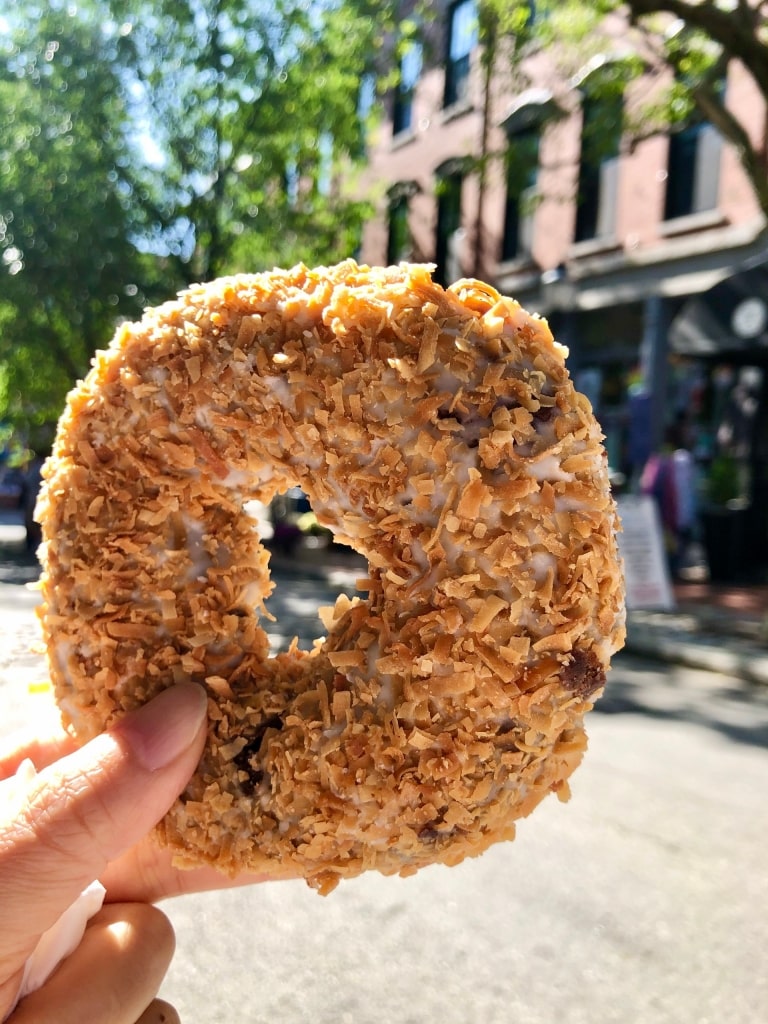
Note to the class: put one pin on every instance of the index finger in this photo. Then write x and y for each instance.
(41, 747)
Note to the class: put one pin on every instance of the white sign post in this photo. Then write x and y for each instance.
(641, 545)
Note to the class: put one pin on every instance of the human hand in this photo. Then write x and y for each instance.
(85, 817)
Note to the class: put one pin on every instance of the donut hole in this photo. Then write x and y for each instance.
(296, 607)
(309, 568)
(293, 524)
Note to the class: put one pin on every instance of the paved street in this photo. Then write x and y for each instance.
(642, 901)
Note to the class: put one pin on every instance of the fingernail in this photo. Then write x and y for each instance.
(165, 728)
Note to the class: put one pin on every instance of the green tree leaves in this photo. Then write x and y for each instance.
(254, 109)
(145, 145)
(66, 262)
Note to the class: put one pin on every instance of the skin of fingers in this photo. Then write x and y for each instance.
(113, 975)
(159, 1012)
(88, 809)
(41, 747)
(146, 872)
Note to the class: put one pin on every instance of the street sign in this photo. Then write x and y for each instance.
(641, 544)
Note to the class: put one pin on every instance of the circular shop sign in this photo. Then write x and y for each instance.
(750, 317)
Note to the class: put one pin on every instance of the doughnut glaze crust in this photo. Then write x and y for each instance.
(435, 431)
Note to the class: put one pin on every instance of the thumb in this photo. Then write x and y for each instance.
(90, 807)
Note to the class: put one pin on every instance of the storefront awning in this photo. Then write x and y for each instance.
(729, 320)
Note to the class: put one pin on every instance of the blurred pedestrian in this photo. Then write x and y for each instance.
(669, 477)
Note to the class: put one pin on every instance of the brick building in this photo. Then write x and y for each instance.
(614, 242)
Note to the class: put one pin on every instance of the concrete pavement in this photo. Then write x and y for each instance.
(687, 637)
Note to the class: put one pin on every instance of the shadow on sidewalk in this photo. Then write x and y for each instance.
(732, 707)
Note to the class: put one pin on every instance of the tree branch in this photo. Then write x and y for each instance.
(736, 31)
(732, 129)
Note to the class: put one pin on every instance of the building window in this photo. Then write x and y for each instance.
(399, 236)
(448, 232)
(598, 166)
(462, 37)
(522, 179)
(410, 71)
(693, 171)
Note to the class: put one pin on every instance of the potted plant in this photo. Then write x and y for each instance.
(724, 515)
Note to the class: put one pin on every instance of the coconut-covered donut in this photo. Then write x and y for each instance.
(435, 431)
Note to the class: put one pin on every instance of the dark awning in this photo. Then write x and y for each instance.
(532, 108)
(729, 320)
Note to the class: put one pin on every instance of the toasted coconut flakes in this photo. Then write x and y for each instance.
(447, 508)
(229, 751)
(420, 740)
(347, 659)
(506, 672)
(554, 642)
(516, 648)
(126, 630)
(473, 496)
(427, 353)
(490, 608)
(220, 686)
(95, 507)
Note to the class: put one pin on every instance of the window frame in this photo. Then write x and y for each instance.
(411, 61)
(517, 234)
(399, 198)
(597, 186)
(397, 224)
(694, 177)
(458, 64)
(450, 188)
(699, 192)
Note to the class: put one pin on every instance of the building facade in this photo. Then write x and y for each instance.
(524, 177)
